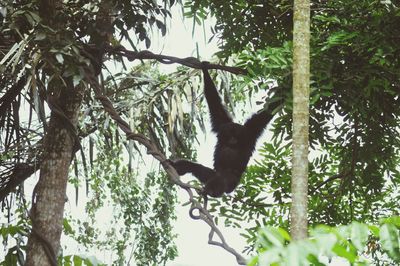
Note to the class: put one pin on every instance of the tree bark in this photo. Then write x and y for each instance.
(60, 142)
(301, 76)
(49, 195)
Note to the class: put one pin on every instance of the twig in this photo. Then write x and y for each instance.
(323, 183)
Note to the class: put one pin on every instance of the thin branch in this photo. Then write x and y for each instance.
(323, 183)
(10, 180)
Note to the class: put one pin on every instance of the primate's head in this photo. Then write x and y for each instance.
(231, 134)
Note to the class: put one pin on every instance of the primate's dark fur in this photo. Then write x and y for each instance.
(235, 144)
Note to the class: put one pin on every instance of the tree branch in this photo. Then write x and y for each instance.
(165, 59)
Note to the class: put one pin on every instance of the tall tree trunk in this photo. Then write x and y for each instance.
(49, 195)
(301, 76)
(60, 141)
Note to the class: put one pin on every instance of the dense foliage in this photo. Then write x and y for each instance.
(355, 98)
(356, 243)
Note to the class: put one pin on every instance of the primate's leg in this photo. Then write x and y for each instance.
(215, 187)
(204, 174)
(224, 182)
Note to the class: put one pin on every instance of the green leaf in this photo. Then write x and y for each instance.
(390, 240)
(395, 220)
(359, 235)
(271, 257)
(67, 260)
(60, 58)
(296, 255)
(374, 230)
(77, 79)
(325, 242)
(253, 262)
(77, 261)
(67, 227)
(273, 237)
(314, 260)
(343, 252)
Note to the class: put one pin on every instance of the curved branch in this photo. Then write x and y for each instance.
(152, 149)
(166, 59)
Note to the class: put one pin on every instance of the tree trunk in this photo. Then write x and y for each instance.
(49, 194)
(301, 76)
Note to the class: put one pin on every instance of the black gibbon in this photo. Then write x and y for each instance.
(235, 144)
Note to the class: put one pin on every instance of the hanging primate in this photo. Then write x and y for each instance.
(235, 144)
